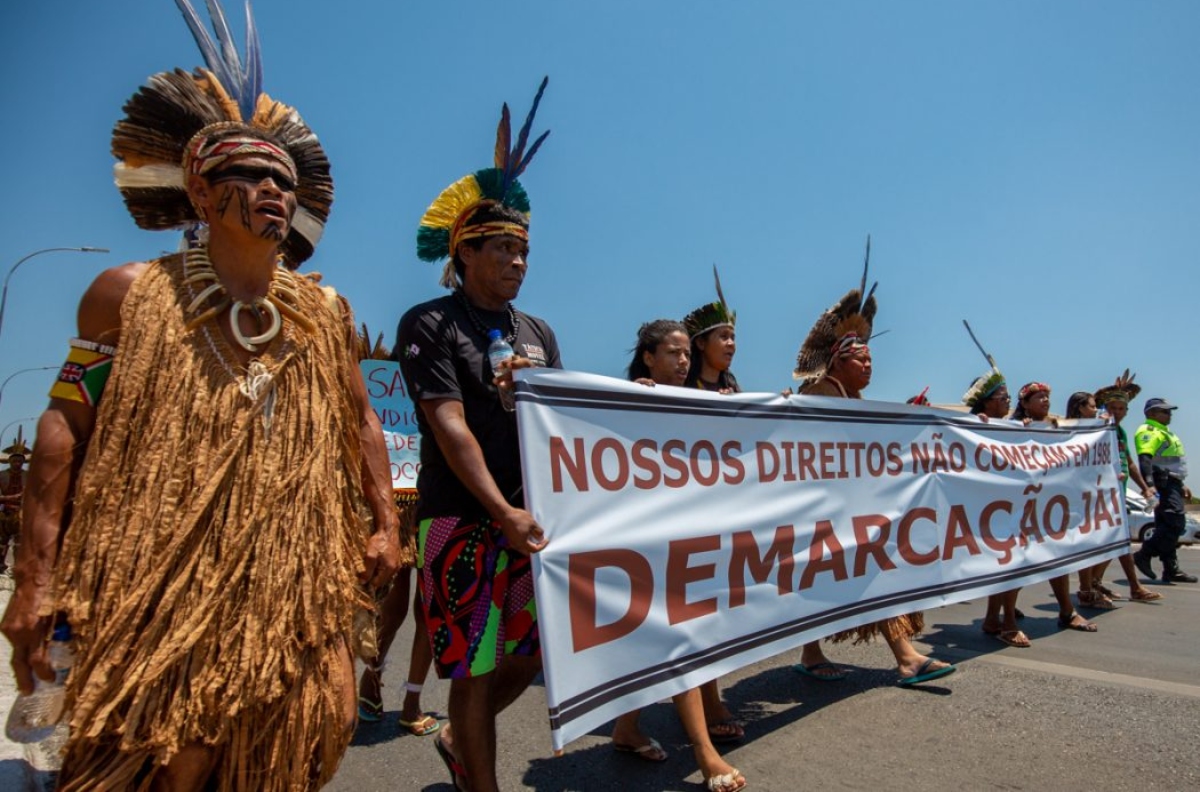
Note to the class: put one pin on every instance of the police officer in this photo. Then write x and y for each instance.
(1162, 461)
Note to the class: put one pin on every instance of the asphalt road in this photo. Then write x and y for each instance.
(1115, 710)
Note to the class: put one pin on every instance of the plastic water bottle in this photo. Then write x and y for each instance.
(500, 356)
(33, 717)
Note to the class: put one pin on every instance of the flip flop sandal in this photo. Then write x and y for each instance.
(726, 782)
(1145, 595)
(369, 711)
(1068, 623)
(925, 674)
(422, 726)
(456, 770)
(1014, 638)
(651, 751)
(811, 671)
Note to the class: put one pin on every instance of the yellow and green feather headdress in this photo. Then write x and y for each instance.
(448, 220)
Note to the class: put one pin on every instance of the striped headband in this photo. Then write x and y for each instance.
(201, 157)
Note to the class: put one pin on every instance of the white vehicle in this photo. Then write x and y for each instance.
(1141, 520)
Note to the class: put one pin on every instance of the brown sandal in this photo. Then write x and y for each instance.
(1145, 595)
(1094, 600)
(1104, 591)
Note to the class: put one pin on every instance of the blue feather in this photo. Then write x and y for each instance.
(243, 84)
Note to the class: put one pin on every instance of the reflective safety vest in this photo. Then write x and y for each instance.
(1164, 448)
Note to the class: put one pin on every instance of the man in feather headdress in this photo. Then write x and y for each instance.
(211, 445)
(475, 539)
(12, 485)
(835, 360)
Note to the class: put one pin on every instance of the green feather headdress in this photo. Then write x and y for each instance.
(710, 316)
(986, 384)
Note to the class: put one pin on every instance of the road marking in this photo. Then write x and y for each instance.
(1091, 675)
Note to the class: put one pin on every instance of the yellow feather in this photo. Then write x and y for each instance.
(452, 202)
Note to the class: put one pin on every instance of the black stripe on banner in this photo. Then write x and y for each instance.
(583, 703)
(654, 401)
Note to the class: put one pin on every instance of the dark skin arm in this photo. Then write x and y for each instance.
(62, 436)
(465, 457)
(381, 558)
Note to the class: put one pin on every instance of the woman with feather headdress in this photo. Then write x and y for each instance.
(1115, 399)
(228, 487)
(714, 343)
(835, 360)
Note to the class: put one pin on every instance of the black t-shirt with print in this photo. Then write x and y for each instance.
(442, 355)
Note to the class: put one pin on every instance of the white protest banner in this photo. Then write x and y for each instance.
(395, 410)
(691, 534)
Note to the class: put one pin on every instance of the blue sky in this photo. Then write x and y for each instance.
(1032, 167)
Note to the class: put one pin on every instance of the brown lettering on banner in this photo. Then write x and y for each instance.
(780, 555)
(680, 573)
(904, 537)
(576, 465)
(871, 548)
(824, 539)
(959, 533)
(581, 572)
(1002, 546)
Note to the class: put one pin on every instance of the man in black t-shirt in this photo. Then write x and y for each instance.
(475, 538)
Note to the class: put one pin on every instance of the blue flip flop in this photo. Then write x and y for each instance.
(811, 671)
(924, 674)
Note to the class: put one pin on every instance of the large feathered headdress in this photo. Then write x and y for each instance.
(177, 118)
(843, 329)
(471, 207)
(1124, 389)
(986, 384)
(710, 316)
(18, 448)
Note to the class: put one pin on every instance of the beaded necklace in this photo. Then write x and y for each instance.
(513, 319)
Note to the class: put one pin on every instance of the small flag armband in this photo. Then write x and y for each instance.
(82, 377)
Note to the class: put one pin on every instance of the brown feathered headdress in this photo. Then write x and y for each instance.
(1124, 389)
(842, 329)
(177, 112)
(18, 448)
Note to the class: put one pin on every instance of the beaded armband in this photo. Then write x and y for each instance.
(83, 376)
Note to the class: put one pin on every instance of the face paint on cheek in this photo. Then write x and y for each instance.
(244, 207)
(223, 201)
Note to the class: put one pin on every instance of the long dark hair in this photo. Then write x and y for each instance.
(650, 335)
(1076, 402)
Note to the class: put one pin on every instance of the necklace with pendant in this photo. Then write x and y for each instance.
(478, 324)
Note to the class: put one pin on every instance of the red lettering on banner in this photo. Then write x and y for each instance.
(871, 548)
(670, 448)
(1057, 503)
(680, 574)
(1002, 546)
(642, 461)
(705, 475)
(730, 456)
(576, 465)
(904, 537)
(617, 482)
(1103, 515)
(581, 571)
(746, 557)
(824, 539)
(806, 455)
(959, 533)
(768, 461)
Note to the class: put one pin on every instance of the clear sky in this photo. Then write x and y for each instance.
(1032, 167)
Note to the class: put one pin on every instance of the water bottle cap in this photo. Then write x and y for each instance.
(493, 334)
(61, 633)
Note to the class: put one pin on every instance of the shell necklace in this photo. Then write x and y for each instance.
(278, 302)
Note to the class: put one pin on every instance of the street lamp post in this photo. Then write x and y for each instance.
(13, 268)
(4, 384)
(14, 423)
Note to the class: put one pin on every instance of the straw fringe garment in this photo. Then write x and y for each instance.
(209, 571)
(907, 626)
